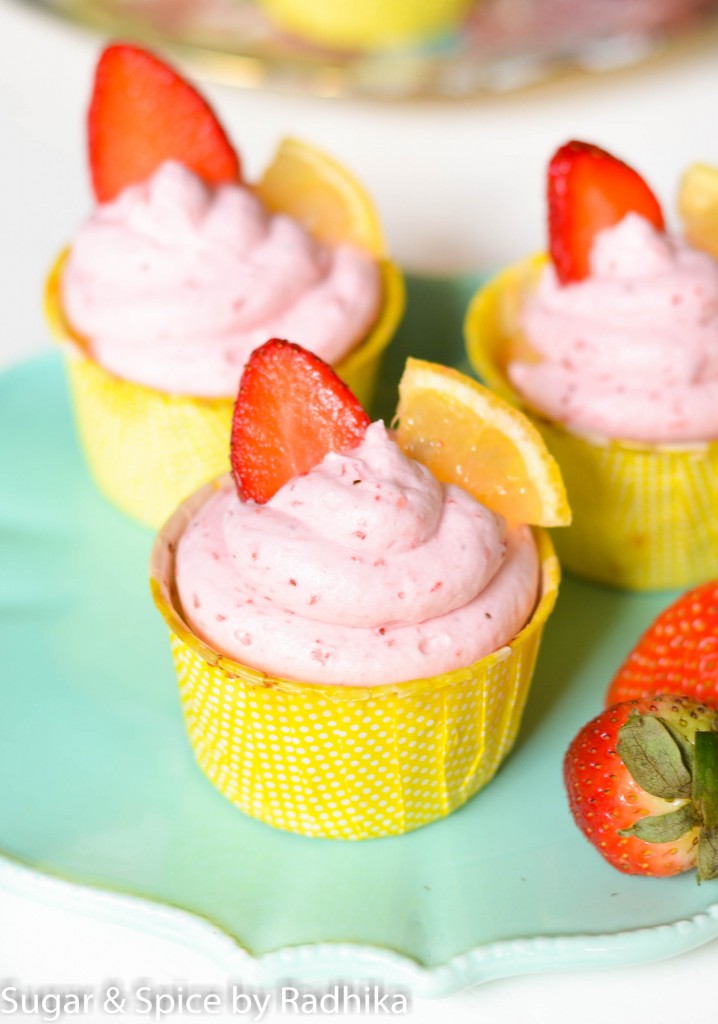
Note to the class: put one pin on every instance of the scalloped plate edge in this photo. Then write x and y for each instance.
(320, 962)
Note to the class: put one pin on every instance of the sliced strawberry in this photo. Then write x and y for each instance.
(642, 784)
(291, 410)
(589, 190)
(141, 114)
(678, 653)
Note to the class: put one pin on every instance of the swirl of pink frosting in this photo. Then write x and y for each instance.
(631, 352)
(174, 284)
(365, 570)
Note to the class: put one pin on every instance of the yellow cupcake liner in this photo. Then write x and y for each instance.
(368, 23)
(149, 449)
(346, 762)
(644, 515)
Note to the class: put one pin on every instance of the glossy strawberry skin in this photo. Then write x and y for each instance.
(143, 113)
(604, 798)
(678, 653)
(291, 410)
(589, 190)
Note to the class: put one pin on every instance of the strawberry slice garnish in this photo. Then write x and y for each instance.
(143, 113)
(642, 783)
(291, 410)
(589, 190)
(678, 653)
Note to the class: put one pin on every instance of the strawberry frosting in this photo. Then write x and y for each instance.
(631, 352)
(365, 570)
(174, 284)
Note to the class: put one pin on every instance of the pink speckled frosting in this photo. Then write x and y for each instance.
(631, 352)
(174, 284)
(365, 570)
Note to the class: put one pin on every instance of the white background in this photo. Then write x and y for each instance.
(459, 187)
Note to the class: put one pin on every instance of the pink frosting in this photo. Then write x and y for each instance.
(631, 352)
(365, 570)
(174, 284)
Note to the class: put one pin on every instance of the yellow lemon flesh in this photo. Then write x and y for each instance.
(468, 436)
(313, 188)
(366, 23)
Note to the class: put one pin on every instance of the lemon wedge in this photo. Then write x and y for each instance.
(698, 206)
(313, 188)
(468, 436)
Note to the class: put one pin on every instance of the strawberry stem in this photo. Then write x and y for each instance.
(705, 777)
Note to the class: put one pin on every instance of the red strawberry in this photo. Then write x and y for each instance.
(642, 782)
(291, 410)
(588, 190)
(141, 114)
(677, 654)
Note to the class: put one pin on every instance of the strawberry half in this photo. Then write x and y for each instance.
(642, 783)
(678, 653)
(143, 113)
(291, 410)
(589, 190)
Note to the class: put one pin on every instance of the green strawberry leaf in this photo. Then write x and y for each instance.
(664, 828)
(705, 779)
(653, 757)
(707, 859)
(686, 746)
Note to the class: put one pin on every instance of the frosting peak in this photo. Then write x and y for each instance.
(174, 283)
(366, 559)
(366, 539)
(631, 351)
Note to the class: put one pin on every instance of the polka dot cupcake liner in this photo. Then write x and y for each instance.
(147, 449)
(643, 514)
(346, 762)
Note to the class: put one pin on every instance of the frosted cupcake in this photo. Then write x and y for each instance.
(354, 639)
(184, 268)
(611, 344)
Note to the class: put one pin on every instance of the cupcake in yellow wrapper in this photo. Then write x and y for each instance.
(352, 740)
(346, 762)
(183, 268)
(609, 343)
(643, 514)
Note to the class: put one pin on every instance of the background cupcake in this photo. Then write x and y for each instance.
(611, 344)
(184, 268)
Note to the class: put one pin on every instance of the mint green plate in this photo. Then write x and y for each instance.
(99, 786)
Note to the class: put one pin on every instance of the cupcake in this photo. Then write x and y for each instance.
(371, 24)
(354, 639)
(610, 344)
(184, 267)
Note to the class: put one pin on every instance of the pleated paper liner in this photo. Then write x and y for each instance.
(346, 762)
(644, 515)
(150, 449)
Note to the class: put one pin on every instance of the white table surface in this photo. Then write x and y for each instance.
(459, 188)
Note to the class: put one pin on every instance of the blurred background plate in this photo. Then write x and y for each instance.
(501, 45)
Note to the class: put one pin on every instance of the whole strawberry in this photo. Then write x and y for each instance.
(677, 654)
(642, 783)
